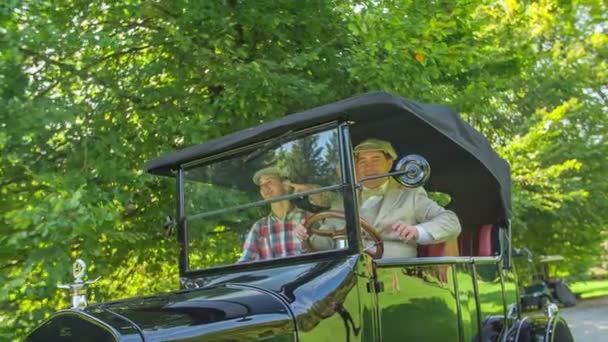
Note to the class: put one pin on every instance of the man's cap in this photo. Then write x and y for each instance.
(267, 171)
(376, 145)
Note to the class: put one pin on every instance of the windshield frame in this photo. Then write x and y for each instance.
(348, 188)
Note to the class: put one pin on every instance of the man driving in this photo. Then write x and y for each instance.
(281, 233)
(404, 216)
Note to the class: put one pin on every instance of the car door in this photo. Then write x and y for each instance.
(417, 300)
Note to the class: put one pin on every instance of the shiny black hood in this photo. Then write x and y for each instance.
(246, 305)
(227, 311)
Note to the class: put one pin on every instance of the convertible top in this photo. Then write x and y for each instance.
(463, 163)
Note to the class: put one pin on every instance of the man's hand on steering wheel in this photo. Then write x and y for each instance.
(370, 231)
(300, 231)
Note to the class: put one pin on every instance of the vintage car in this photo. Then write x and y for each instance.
(462, 289)
(541, 288)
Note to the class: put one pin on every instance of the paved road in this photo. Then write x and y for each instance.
(588, 320)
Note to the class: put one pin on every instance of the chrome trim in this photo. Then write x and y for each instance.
(458, 304)
(189, 284)
(78, 288)
(486, 260)
(552, 326)
(549, 330)
(418, 170)
(182, 224)
(79, 269)
(504, 295)
(392, 262)
(508, 264)
(521, 323)
(359, 184)
(477, 302)
(551, 310)
(512, 311)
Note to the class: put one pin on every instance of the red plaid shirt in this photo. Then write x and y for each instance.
(271, 237)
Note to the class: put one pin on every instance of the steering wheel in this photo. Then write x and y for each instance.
(341, 233)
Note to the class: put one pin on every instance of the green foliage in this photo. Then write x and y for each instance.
(590, 289)
(531, 77)
(558, 189)
(90, 91)
(305, 163)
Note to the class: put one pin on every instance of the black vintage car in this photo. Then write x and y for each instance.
(462, 289)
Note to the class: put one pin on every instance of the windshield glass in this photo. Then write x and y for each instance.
(245, 208)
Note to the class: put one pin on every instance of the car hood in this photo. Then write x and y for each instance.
(232, 311)
(251, 304)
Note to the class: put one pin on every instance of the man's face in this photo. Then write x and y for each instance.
(271, 186)
(372, 163)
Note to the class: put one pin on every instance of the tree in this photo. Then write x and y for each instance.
(532, 77)
(96, 89)
(306, 162)
(90, 91)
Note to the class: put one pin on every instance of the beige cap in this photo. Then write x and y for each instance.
(267, 171)
(376, 145)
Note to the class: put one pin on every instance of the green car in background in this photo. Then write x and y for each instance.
(543, 289)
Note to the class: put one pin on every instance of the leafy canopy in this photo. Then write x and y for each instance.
(90, 91)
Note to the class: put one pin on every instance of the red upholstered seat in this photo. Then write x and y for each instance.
(470, 242)
(485, 236)
(448, 248)
(466, 240)
(485, 240)
(431, 250)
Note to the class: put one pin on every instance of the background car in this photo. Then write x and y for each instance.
(540, 288)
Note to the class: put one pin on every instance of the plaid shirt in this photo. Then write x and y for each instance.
(271, 237)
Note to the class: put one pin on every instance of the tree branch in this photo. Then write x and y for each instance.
(83, 72)
(114, 55)
(12, 263)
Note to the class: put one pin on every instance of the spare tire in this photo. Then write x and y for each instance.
(564, 295)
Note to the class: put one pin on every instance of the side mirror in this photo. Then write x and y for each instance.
(416, 171)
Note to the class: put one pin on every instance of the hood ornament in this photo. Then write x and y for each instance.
(79, 287)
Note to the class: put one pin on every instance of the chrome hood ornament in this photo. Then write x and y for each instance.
(79, 287)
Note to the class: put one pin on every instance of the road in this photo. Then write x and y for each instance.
(588, 320)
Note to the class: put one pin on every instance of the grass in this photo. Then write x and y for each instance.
(590, 289)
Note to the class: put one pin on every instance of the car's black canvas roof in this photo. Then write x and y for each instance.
(463, 162)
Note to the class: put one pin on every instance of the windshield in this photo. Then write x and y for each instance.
(246, 208)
